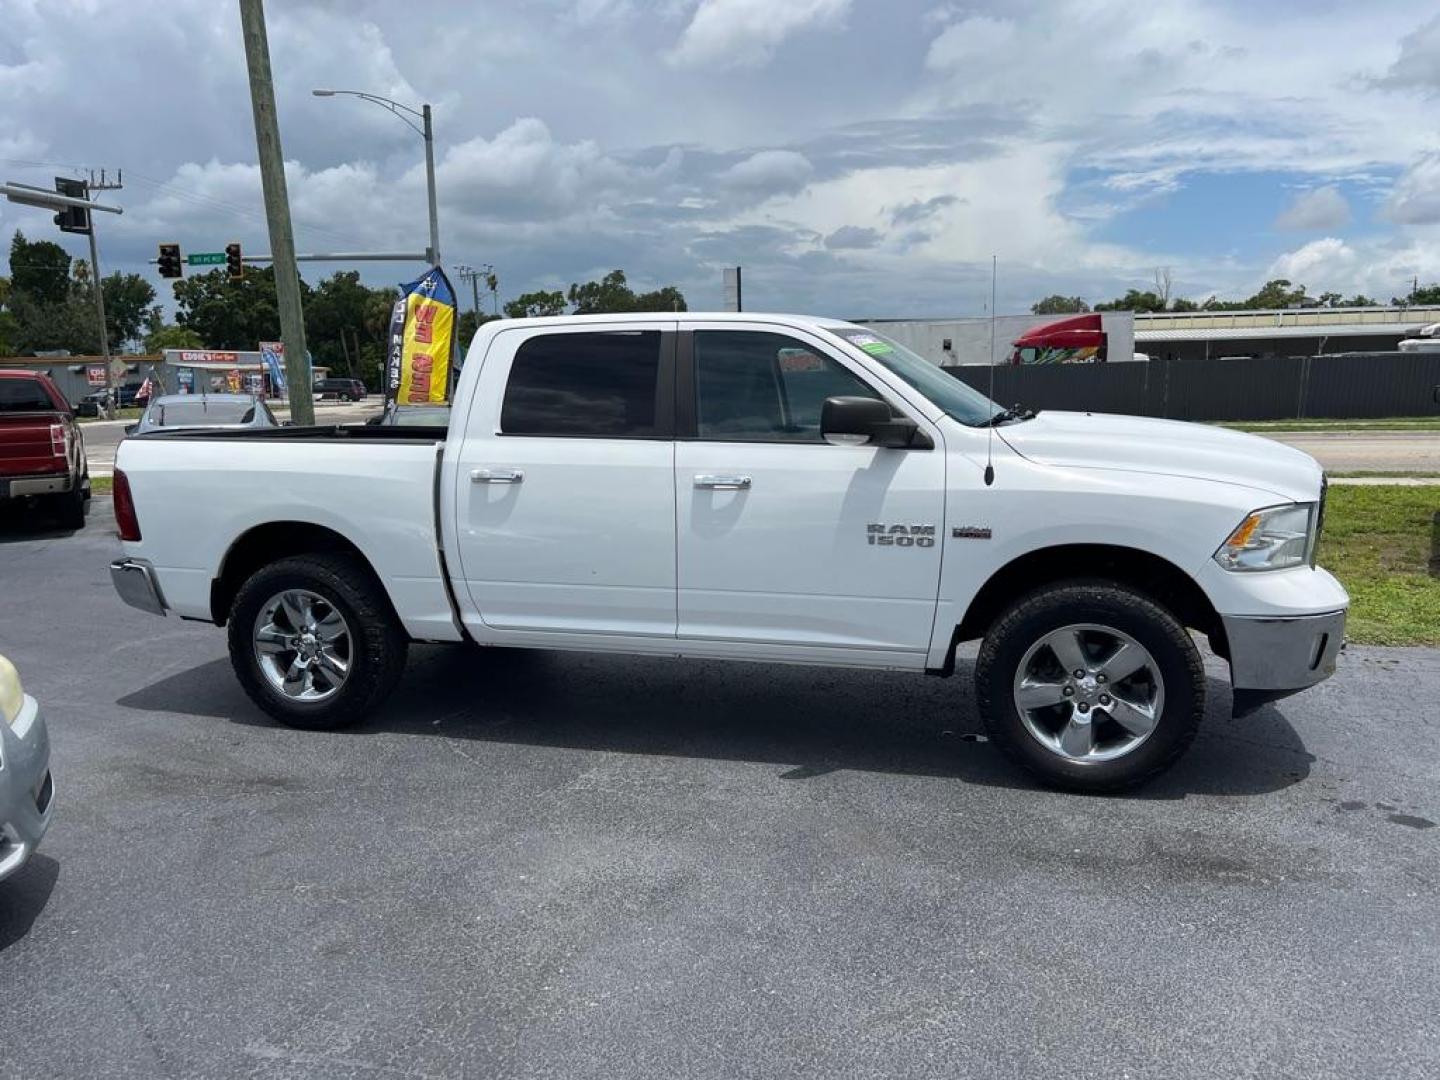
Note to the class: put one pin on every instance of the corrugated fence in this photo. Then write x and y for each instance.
(1351, 386)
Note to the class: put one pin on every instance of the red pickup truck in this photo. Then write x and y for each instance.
(42, 450)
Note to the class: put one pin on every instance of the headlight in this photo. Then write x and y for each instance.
(11, 696)
(1270, 539)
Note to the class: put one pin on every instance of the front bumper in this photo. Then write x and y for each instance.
(27, 792)
(1272, 656)
(135, 581)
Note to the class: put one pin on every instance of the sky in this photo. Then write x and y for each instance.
(856, 157)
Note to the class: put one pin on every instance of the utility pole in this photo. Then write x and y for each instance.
(93, 185)
(277, 211)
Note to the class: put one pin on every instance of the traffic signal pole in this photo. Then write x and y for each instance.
(277, 211)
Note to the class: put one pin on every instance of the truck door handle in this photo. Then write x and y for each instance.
(722, 483)
(496, 476)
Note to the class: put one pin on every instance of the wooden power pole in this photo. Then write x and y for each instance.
(277, 211)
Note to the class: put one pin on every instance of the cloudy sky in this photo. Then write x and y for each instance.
(858, 157)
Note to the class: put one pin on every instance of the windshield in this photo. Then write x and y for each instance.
(957, 400)
(201, 413)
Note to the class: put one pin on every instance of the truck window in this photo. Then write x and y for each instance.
(602, 385)
(752, 385)
(22, 395)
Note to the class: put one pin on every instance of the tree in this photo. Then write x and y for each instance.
(1277, 293)
(467, 325)
(1426, 294)
(232, 314)
(1181, 304)
(127, 301)
(40, 269)
(1060, 305)
(612, 294)
(69, 324)
(1134, 300)
(535, 304)
(340, 318)
(667, 299)
(166, 336)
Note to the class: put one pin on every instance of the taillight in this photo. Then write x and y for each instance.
(125, 509)
(59, 441)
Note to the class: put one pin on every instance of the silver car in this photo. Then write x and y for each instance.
(27, 793)
(176, 411)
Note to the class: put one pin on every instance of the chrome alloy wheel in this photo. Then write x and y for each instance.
(303, 645)
(1089, 693)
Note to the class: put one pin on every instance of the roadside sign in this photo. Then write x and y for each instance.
(95, 374)
(118, 368)
(205, 258)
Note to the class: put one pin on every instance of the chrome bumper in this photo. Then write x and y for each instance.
(1273, 657)
(134, 580)
(27, 792)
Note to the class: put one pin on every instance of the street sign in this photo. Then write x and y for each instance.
(205, 258)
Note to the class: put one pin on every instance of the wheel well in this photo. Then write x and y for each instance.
(1157, 578)
(265, 544)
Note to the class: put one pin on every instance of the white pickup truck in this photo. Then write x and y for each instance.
(751, 487)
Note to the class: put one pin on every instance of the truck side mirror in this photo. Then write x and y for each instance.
(862, 421)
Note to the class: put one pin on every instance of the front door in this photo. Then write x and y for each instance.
(782, 537)
(564, 489)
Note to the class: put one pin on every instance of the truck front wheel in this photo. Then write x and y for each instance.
(1090, 686)
(313, 640)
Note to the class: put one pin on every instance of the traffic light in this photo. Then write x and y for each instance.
(233, 266)
(170, 260)
(73, 219)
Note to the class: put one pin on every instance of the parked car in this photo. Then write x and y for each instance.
(27, 792)
(411, 416)
(344, 389)
(174, 411)
(752, 487)
(42, 448)
(93, 404)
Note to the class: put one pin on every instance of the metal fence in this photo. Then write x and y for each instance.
(1349, 386)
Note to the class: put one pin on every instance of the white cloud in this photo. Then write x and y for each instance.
(852, 237)
(746, 33)
(1418, 65)
(971, 39)
(1315, 210)
(1320, 263)
(769, 172)
(1415, 199)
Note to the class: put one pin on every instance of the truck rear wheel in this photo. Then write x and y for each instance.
(69, 508)
(1090, 686)
(314, 642)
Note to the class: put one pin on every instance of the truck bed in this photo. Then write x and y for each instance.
(202, 493)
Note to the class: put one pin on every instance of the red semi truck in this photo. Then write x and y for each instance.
(42, 450)
(1077, 340)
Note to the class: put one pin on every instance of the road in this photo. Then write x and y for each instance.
(571, 865)
(1339, 451)
(1371, 451)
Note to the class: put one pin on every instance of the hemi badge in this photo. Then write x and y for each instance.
(970, 532)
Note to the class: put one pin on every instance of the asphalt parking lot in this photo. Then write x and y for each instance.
(552, 865)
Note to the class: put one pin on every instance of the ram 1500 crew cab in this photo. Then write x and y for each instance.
(756, 487)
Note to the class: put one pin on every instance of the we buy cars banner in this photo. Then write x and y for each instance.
(422, 338)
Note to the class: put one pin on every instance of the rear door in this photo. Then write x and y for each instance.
(782, 537)
(564, 489)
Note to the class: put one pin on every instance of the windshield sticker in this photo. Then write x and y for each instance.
(877, 348)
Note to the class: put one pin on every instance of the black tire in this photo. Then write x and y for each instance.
(1106, 604)
(378, 644)
(69, 508)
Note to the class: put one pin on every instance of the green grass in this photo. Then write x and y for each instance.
(1396, 423)
(102, 485)
(1383, 543)
(123, 414)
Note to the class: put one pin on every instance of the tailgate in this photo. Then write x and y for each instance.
(25, 445)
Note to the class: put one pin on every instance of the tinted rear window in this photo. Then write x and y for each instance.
(202, 412)
(22, 395)
(602, 385)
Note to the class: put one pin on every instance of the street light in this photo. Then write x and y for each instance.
(425, 132)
